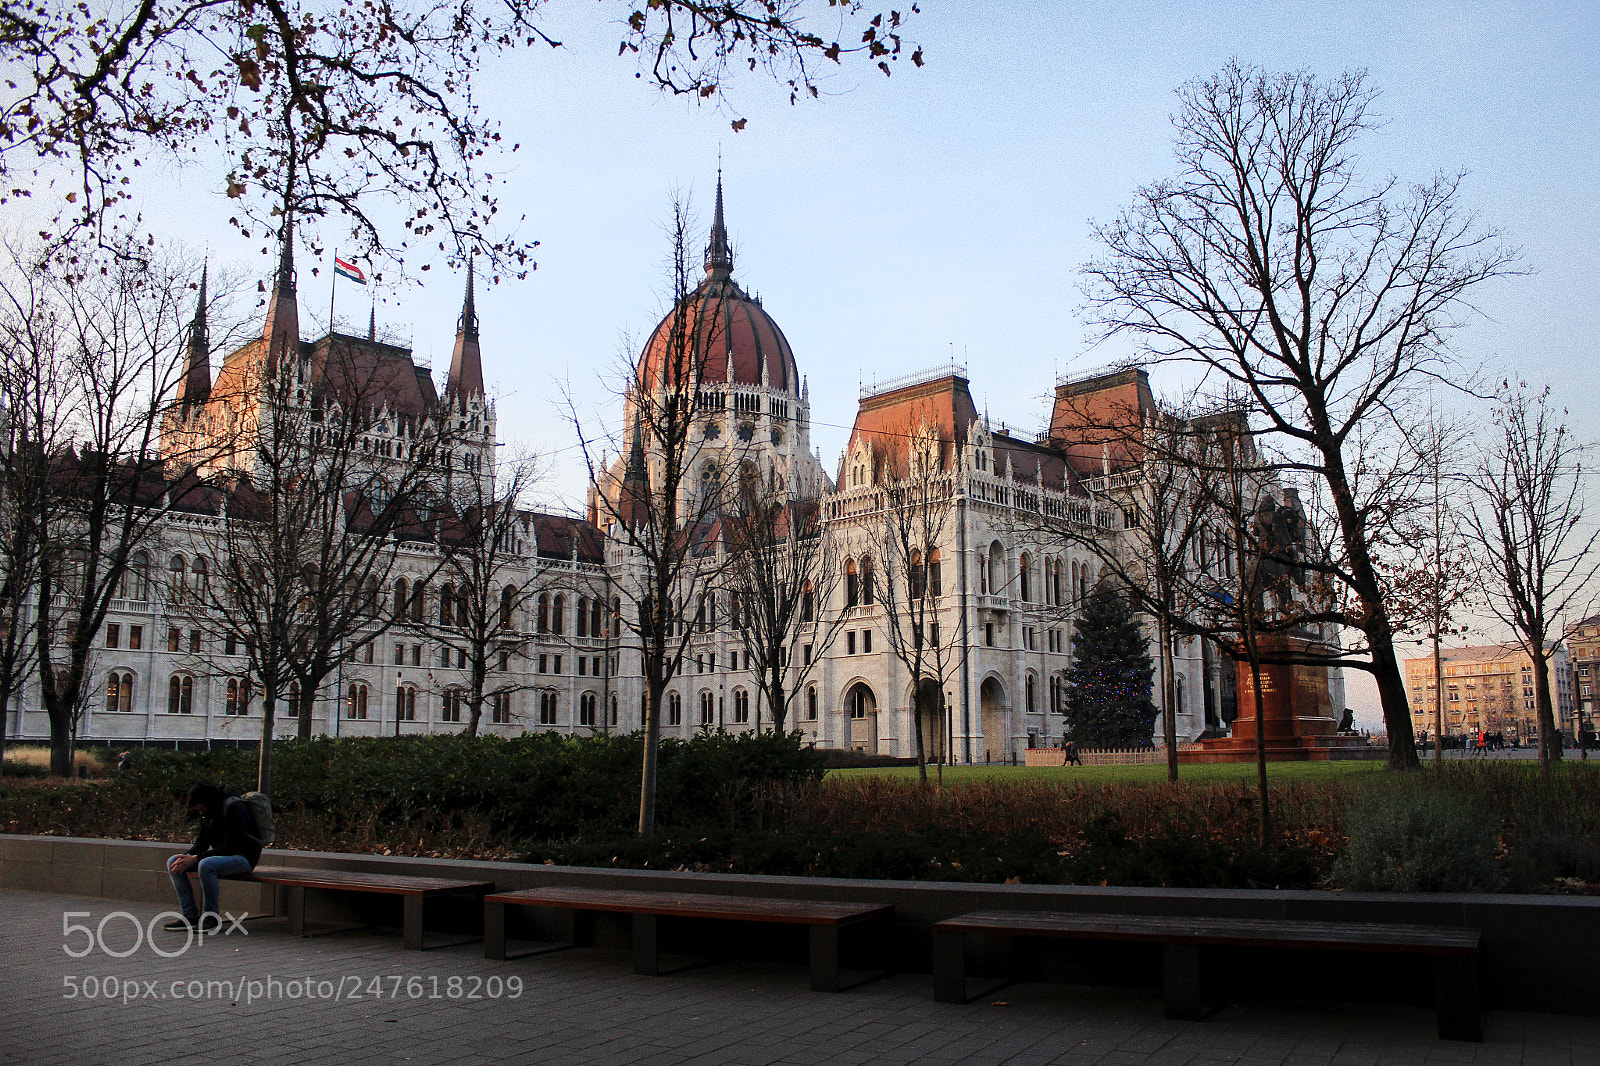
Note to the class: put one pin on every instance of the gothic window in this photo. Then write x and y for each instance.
(935, 575)
(708, 709)
(177, 571)
(1025, 578)
(405, 703)
(547, 708)
(119, 691)
(355, 702)
(580, 625)
(450, 711)
(544, 613)
(674, 708)
(866, 580)
(741, 705)
(558, 611)
(447, 603)
(852, 584)
(402, 594)
(811, 704)
(586, 705)
(919, 576)
(808, 604)
(597, 618)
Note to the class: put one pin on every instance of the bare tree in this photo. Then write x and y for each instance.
(484, 580)
(330, 482)
(325, 110)
(913, 515)
(651, 505)
(1528, 517)
(89, 366)
(1324, 302)
(781, 572)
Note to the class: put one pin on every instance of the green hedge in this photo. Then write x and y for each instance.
(538, 786)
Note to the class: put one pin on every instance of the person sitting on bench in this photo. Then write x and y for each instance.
(227, 845)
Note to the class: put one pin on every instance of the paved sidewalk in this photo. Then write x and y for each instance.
(585, 1007)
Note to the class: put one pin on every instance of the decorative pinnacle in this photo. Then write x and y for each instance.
(286, 256)
(197, 328)
(468, 325)
(719, 256)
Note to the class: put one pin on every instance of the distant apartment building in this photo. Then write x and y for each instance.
(1490, 687)
(1583, 647)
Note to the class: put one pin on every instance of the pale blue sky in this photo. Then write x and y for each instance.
(944, 211)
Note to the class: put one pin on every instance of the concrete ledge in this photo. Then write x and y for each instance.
(1541, 953)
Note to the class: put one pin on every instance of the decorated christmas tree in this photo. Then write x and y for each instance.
(1108, 688)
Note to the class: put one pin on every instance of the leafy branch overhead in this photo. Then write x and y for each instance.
(361, 112)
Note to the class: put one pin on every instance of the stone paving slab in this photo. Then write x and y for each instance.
(344, 999)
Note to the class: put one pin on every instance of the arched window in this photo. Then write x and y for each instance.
(705, 614)
(1029, 695)
(508, 602)
(597, 618)
(1055, 582)
(733, 609)
(1025, 578)
(586, 705)
(419, 599)
(808, 604)
(613, 708)
(866, 580)
(200, 579)
(741, 705)
(405, 703)
(238, 702)
(119, 691)
(447, 605)
(1074, 585)
(811, 704)
(174, 694)
(919, 576)
(136, 581)
(177, 578)
(674, 708)
(997, 569)
(852, 584)
(401, 595)
(708, 709)
(616, 616)
(982, 569)
(580, 622)
(547, 707)
(935, 574)
(355, 702)
(544, 612)
(500, 703)
(372, 597)
(558, 611)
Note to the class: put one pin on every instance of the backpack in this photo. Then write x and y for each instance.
(261, 810)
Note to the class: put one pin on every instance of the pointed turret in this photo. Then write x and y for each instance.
(466, 362)
(372, 321)
(719, 255)
(195, 387)
(281, 331)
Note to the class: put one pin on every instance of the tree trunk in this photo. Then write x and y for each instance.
(269, 700)
(1549, 730)
(1378, 630)
(1169, 713)
(647, 775)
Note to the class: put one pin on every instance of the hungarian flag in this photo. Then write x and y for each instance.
(348, 270)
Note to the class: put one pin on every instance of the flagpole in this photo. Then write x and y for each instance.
(333, 290)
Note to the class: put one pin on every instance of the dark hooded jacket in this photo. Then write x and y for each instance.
(226, 828)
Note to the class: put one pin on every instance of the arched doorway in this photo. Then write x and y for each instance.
(862, 707)
(992, 708)
(931, 720)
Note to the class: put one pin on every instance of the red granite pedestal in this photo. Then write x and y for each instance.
(1297, 719)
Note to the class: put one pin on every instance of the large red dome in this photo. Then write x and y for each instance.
(719, 335)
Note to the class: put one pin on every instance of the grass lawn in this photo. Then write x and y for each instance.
(1208, 774)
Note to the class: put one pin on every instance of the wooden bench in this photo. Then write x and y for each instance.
(827, 920)
(1455, 952)
(415, 890)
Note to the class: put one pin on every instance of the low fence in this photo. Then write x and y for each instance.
(1104, 756)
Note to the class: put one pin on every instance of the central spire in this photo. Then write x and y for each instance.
(194, 387)
(719, 256)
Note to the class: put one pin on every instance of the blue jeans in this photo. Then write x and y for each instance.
(210, 869)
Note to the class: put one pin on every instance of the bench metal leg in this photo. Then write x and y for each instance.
(824, 958)
(296, 906)
(494, 931)
(1457, 997)
(646, 957)
(1180, 982)
(949, 967)
(413, 922)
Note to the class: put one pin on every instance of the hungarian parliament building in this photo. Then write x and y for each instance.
(1028, 519)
